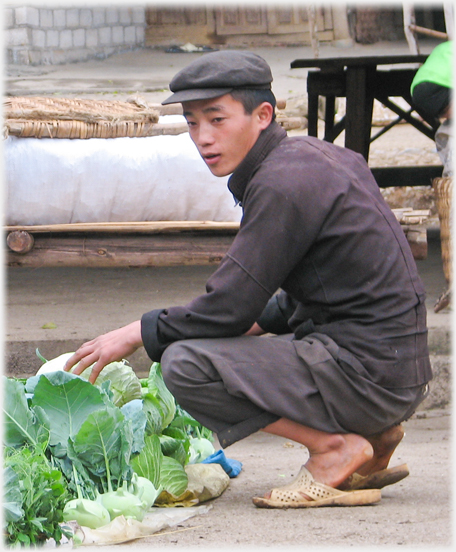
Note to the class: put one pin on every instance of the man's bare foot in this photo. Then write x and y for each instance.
(345, 454)
(332, 456)
(384, 445)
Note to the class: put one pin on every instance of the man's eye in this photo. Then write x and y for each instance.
(218, 119)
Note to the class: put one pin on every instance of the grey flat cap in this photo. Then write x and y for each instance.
(218, 73)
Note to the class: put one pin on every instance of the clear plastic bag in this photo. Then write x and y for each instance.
(444, 142)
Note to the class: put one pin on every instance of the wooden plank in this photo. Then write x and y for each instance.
(417, 239)
(108, 250)
(406, 176)
(147, 227)
(363, 61)
(127, 250)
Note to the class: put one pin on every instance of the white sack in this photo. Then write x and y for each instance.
(55, 181)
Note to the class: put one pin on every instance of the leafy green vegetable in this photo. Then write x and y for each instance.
(124, 453)
(148, 462)
(153, 412)
(157, 388)
(103, 445)
(67, 401)
(125, 385)
(172, 447)
(173, 477)
(12, 498)
(189, 425)
(134, 412)
(22, 425)
(43, 494)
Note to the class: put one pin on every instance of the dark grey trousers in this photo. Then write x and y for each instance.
(237, 386)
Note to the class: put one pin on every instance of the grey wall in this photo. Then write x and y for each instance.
(48, 36)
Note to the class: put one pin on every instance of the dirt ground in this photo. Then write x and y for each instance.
(413, 514)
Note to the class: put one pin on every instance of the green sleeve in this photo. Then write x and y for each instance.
(438, 67)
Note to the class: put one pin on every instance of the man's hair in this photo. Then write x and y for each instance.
(251, 99)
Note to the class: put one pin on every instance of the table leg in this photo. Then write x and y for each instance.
(330, 111)
(312, 115)
(359, 106)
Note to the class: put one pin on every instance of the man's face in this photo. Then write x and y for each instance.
(222, 131)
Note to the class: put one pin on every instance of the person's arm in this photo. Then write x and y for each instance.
(106, 348)
(277, 313)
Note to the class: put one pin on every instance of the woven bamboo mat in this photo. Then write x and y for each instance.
(43, 117)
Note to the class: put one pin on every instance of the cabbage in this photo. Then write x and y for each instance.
(54, 365)
(124, 503)
(200, 449)
(86, 512)
(124, 384)
(144, 489)
(157, 397)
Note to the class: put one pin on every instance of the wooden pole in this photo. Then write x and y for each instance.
(429, 32)
(20, 241)
(409, 20)
(148, 227)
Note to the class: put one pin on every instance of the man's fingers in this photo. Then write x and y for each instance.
(74, 359)
(97, 368)
(81, 360)
(105, 349)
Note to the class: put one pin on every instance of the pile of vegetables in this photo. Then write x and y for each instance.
(90, 453)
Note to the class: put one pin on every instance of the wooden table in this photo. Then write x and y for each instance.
(361, 80)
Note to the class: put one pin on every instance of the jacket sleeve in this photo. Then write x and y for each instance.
(264, 252)
(276, 314)
(231, 304)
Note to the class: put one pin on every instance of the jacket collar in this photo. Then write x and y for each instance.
(267, 141)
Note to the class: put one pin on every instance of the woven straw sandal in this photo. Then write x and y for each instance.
(305, 492)
(376, 480)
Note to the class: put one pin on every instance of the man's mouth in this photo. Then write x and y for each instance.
(211, 158)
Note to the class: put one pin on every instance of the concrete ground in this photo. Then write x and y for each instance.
(76, 304)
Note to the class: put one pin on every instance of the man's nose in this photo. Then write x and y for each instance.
(205, 135)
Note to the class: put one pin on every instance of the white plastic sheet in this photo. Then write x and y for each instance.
(57, 181)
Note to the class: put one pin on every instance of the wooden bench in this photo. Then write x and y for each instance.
(157, 243)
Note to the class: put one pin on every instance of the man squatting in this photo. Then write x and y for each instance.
(313, 326)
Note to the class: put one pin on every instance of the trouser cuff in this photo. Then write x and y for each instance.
(245, 428)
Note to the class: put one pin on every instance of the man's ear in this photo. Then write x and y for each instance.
(264, 112)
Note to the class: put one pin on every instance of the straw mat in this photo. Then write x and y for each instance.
(43, 117)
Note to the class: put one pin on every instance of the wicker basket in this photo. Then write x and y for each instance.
(43, 117)
(443, 188)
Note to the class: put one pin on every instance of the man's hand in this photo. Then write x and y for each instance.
(105, 349)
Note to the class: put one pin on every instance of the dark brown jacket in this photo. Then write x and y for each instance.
(316, 227)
